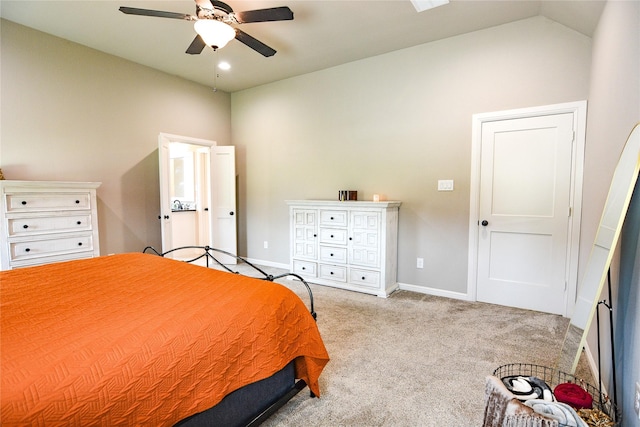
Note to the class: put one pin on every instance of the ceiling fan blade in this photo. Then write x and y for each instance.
(196, 46)
(254, 43)
(263, 15)
(156, 13)
(218, 4)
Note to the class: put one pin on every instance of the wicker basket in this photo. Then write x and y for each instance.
(553, 377)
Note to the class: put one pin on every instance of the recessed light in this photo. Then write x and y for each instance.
(224, 66)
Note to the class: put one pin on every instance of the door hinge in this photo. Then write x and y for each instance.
(569, 211)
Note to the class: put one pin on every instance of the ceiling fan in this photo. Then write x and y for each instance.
(214, 22)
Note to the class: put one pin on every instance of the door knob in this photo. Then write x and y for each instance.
(484, 223)
(231, 213)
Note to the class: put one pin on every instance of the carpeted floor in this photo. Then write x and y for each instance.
(413, 359)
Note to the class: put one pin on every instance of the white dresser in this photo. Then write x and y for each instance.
(349, 245)
(47, 221)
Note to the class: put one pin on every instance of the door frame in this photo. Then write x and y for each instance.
(579, 111)
(165, 210)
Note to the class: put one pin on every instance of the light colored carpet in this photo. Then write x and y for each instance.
(413, 359)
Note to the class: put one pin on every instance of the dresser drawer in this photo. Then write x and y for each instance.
(333, 254)
(30, 202)
(364, 257)
(364, 277)
(333, 272)
(304, 268)
(52, 246)
(336, 218)
(33, 225)
(336, 236)
(30, 262)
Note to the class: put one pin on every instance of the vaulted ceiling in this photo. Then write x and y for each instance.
(322, 34)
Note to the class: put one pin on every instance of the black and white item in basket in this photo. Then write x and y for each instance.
(525, 388)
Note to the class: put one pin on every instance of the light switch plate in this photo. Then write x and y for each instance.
(445, 185)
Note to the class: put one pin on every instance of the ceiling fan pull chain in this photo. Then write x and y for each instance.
(215, 70)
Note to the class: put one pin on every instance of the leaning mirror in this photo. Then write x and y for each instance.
(615, 210)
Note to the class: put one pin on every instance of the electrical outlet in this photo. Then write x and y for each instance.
(266, 244)
(420, 263)
(636, 401)
(445, 185)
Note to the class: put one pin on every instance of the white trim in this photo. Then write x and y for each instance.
(434, 291)
(186, 139)
(593, 365)
(595, 373)
(265, 263)
(579, 111)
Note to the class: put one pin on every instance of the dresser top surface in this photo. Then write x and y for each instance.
(347, 203)
(30, 185)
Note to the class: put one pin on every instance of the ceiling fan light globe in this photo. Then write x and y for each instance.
(214, 33)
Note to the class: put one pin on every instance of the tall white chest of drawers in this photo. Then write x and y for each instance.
(47, 221)
(349, 245)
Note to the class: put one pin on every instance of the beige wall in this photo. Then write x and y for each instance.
(73, 113)
(394, 124)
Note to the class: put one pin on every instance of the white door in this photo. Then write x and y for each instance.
(524, 210)
(224, 219)
(221, 188)
(164, 160)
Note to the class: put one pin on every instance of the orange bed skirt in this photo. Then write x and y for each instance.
(137, 339)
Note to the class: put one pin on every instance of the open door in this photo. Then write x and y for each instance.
(164, 157)
(215, 187)
(224, 230)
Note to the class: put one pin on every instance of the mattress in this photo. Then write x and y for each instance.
(136, 339)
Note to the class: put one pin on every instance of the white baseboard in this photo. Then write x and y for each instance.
(434, 291)
(268, 263)
(593, 365)
(591, 361)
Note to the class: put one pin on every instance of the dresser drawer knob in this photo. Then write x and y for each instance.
(79, 222)
(331, 218)
(77, 202)
(304, 268)
(79, 243)
(332, 236)
(27, 250)
(24, 202)
(25, 226)
(331, 273)
(331, 254)
(363, 278)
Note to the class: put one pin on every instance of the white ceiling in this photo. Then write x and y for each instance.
(323, 34)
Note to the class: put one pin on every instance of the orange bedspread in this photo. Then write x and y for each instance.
(137, 339)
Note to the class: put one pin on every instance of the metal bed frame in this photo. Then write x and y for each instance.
(299, 385)
(207, 253)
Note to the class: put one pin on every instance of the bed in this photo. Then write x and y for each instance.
(139, 339)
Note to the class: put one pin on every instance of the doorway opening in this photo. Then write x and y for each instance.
(189, 182)
(197, 194)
